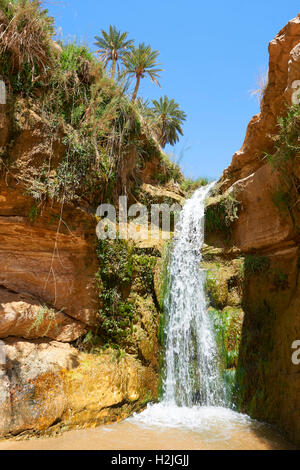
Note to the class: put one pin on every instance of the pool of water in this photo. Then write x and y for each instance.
(164, 427)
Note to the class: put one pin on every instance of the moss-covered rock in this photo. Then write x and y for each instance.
(224, 287)
(223, 282)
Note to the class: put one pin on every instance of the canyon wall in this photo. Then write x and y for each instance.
(57, 368)
(253, 221)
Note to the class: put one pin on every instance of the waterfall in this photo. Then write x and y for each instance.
(192, 371)
(194, 392)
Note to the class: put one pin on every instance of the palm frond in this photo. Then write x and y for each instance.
(168, 122)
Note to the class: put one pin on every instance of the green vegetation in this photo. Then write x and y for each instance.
(113, 46)
(255, 359)
(287, 150)
(120, 264)
(221, 213)
(81, 107)
(256, 264)
(168, 119)
(115, 274)
(141, 61)
(163, 291)
(43, 314)
(25, 43)
(228, 327)
(214, 289)
(162, 296)
(189, 185)
(33, 214)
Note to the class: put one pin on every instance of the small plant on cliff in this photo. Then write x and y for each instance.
(220, 215)
(256, 264)
(287, 146)
(262, 83)
(33, 213)
(189, 185)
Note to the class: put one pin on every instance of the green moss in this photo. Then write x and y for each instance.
(163, 293)
(228, 327)
(33, 214)
(256, 264)
(280, 279)
(216, 290)
(255, 360)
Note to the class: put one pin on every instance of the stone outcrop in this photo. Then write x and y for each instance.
(284, 69)
(46, 256)
(23, 316)
(45, 382)
(49, 292)
(266, 240)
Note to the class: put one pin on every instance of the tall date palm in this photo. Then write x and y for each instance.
(139, 62)
(168, 120)
(112, 46)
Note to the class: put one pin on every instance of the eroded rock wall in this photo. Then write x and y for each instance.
(266, 240)
(49, 295)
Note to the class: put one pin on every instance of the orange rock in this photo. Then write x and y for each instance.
(23, 316)
(284, 68)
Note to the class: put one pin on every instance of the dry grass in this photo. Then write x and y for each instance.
(262, 83)
(25, 33)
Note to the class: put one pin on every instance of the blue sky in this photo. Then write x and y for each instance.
(212, 53)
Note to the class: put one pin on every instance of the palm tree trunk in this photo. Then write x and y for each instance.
(113, 69)
(138, 80)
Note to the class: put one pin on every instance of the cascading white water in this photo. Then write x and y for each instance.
(192, 372)
(194, 393)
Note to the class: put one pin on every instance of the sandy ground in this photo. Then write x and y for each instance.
(131, 436)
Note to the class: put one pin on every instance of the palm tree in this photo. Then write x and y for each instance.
(112, 46)
(141, 61)
(169, 119)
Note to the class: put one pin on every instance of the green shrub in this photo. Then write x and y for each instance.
(190, 185)
(219, 216)
(26, 55)
(287, 150)
(255, 264)
(119, 265)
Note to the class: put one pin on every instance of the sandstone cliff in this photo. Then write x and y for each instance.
(78, 319)
(253, 221)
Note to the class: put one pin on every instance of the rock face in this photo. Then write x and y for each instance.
(46, 382)
(284, 69)
(48, 257)
(52, 291)
(266, 238)
(23, 316)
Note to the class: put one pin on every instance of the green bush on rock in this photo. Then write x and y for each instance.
(123, 271)
(220, 213)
